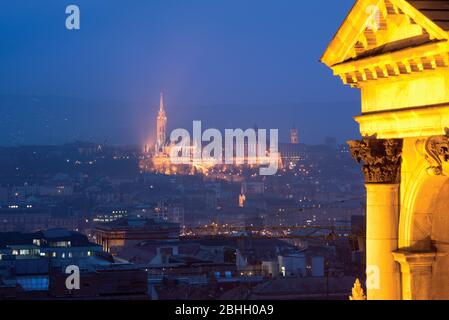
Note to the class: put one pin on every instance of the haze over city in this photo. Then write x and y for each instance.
(220, 62)
(223, 155)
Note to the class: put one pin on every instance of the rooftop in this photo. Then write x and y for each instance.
(135, 222)
(49, 236)
(435, 10)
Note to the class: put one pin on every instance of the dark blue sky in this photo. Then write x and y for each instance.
(229, 63)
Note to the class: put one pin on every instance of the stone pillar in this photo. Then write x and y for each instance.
(381, 161)
(416, 269)
(382, 217)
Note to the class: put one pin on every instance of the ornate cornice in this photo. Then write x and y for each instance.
(381, 159)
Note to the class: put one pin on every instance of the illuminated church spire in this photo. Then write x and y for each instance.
(294, 136)
(161, 126)
(161, 104)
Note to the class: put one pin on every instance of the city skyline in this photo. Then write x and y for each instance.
(228, 151)
(177, 151)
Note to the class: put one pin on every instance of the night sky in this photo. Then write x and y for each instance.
(229, 63)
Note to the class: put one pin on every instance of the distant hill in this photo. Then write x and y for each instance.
(32, 119)
(27, 119)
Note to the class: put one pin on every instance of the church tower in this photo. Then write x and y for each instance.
(294, 136)
(161, 126)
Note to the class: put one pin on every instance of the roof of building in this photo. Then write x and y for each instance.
(291, 286)
(431, 15)
(55, 235)
(17, 238)
(312, 232)
(52, 235)
(257, 250)
(135, 222)
(435, 10)
(7, 210)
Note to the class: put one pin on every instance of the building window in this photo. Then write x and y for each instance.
(283, 271)
(33, 283)
(60, 244)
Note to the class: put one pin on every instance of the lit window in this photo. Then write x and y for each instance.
(34, 283)
(283, 271)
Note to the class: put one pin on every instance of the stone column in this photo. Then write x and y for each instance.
(381, 161)
(416, 269)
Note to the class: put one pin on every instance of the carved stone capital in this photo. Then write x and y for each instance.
(381, 159)
(435, 149)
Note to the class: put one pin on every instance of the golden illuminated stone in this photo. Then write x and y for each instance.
(357, 291)
(397, 53)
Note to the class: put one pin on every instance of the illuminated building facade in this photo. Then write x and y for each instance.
(397, 53)
(294, 136)
(160, 160)
(132, 229)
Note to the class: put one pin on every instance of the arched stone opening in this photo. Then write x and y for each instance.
(424, 240)
(440, 241)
